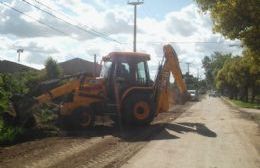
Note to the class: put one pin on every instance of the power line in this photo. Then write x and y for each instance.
(147, 11)
(172, 42)
(92, 32)
(64, 15)
(40, 22)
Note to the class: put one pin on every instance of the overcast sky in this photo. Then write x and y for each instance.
(103, 26)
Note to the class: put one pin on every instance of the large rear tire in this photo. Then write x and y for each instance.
(138, 110)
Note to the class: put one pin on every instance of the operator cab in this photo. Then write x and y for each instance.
(128, 69)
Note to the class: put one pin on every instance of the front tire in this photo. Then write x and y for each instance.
(86, 119)
(82, 117)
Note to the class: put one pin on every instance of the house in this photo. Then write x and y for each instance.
(78, 65)
(13, 67)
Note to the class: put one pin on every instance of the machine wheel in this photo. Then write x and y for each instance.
(82, 117)
(138, 110)
(86, 117)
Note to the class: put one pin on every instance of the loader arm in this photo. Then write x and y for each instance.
(169, 64)
(58, 91)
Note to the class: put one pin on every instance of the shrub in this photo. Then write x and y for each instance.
(9, 134)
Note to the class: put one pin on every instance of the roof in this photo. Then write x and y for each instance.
(78, 65)
(112, 55)
(12, 67)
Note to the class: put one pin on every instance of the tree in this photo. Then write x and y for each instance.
(236, 19)
(52, 69)
(212, 65)
(240, 76)
(226, 79)
(191, 81)
(252, 63)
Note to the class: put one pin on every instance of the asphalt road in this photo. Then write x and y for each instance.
(209, 135)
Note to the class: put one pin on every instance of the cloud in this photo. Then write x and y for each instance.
(116, 25)
(184, 27)
(178, 25)
(22, 26)
(13, 23)
(32, 46)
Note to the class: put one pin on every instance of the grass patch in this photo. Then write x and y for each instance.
(246, 104)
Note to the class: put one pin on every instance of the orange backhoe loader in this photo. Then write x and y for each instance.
(124, 90)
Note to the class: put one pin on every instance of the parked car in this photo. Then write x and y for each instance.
(202, 91)
(194, 95)
(214, 94)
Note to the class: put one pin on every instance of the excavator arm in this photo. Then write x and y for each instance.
(169, 65)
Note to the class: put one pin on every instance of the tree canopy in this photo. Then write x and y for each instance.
(236, 77)
(52, 68)
(236, 19)
(212, 64)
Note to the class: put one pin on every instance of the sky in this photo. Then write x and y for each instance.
(66, 29)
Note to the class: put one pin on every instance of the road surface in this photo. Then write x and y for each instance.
(209, 134)
(206, 134)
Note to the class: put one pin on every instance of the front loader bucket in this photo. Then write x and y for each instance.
(19, 112)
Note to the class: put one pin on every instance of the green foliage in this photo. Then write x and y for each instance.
(18, 83)
(236, 19)
(212, 65)
(24, 84)
(246, 104)
(45, 114)
(8, 134)
(235, 76)
(191, 82)
(12, 84)
(52, 69)
(3, 100)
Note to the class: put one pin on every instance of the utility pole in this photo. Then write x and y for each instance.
(95, 65)
(198, 73)
(188, 65)
(138, 2)
(19, 51)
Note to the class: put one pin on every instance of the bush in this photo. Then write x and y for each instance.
(11, 85)
(3, 101)
(45, 115)
(9, 134)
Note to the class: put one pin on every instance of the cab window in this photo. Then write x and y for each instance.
(141, 73)
(123, 70)
(106, 68)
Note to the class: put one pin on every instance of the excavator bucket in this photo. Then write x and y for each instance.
(19, 111)
(20, 107)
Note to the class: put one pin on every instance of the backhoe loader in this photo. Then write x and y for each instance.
(124, 90)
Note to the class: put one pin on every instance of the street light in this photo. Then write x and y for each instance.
(19, 51)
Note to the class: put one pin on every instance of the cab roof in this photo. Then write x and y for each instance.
(114, 55)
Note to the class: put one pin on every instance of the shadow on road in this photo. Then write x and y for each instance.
(159, 131)
(186, 127)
